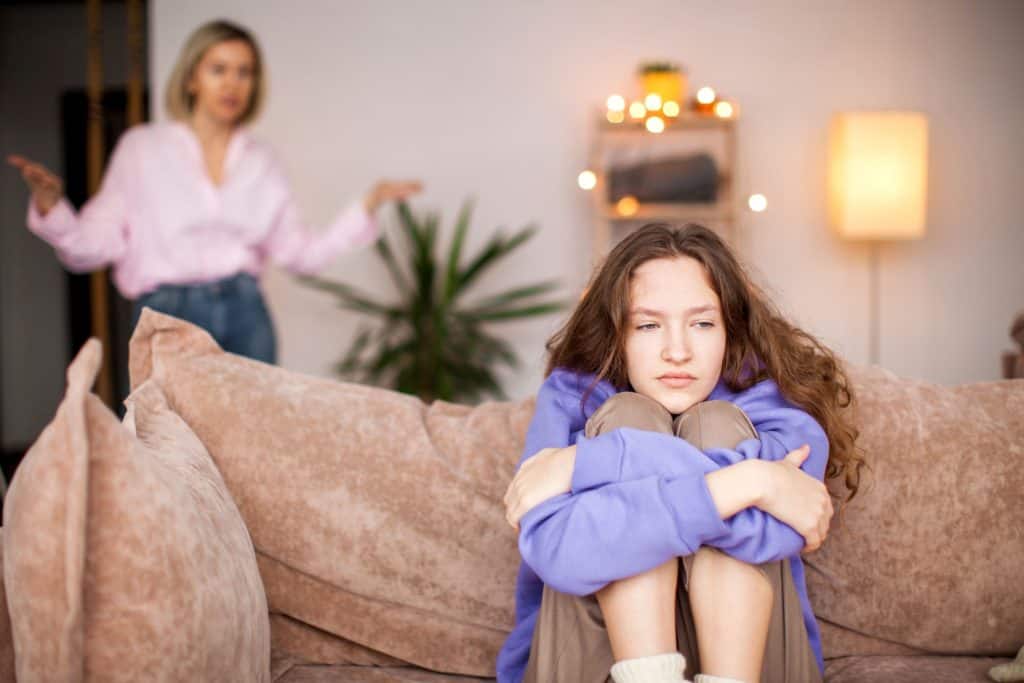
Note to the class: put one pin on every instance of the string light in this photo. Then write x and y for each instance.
(627, 206)
(723, 109)
(587, 180)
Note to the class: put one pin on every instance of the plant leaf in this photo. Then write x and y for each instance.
(514, 313)
(383, 248)
(497, 247)
(350, 297)
(509, 296)
(451, 279)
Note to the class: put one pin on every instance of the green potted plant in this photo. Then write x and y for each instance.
(433, 342)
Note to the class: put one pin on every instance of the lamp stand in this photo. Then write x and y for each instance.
(875, 302)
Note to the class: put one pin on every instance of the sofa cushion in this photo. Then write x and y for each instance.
(375, 518)
(125, 558)
(313, 646)
(927, 557)
(913, 669)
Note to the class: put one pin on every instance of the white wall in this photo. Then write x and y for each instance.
(494, 100)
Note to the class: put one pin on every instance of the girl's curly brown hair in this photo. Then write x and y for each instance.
(760, 343)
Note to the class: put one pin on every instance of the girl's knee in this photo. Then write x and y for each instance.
(715, 424)
(629, 409)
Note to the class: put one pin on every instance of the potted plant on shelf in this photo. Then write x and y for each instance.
(433, 342)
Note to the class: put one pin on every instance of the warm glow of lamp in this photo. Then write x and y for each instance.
(637, 110)
(878, 173)
(652, 101)
(671, 109)
(616, 116)
(616, 103)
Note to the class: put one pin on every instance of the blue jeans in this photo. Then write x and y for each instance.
(232, 310)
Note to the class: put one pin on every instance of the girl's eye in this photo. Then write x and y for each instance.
(704, 324)
(647, 326)
(217, 69)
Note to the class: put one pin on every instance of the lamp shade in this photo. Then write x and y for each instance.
(878, 174)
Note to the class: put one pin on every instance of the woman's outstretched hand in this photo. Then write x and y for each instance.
(544, 475)
(46, 187)
(798, 499)
(388, 191)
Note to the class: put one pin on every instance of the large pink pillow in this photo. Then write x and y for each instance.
(928, 556)
(124, 556)
(375, 518)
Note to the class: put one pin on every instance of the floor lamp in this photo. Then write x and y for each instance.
(878, 177)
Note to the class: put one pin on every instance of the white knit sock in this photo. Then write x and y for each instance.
(666, 668)
(705, 678)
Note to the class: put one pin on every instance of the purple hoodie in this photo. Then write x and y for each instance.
(639, 498)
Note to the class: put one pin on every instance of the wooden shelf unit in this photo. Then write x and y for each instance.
(628, 143)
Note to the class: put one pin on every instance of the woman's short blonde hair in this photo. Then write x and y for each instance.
(179, 100)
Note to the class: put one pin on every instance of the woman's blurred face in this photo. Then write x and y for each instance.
(223, 81)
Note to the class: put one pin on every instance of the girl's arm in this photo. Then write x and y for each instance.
(98, 234)
(753, 534)
(578, 543)
(559, 411)
(632, 470)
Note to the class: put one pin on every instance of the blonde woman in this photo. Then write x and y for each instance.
(190, 212)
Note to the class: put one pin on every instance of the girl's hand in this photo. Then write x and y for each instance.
(797, 498)
(387, 191)
(47, 188)
(544, 475)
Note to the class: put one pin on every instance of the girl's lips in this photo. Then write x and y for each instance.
(676, 382)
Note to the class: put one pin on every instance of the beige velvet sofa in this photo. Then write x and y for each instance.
(247, 523)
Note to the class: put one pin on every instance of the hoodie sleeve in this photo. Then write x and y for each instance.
(559, 412)
(752, 535)
(579, 542)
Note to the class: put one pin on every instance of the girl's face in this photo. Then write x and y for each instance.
(675, 340)
(223, 81)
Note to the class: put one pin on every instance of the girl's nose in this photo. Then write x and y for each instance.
(677, 348)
